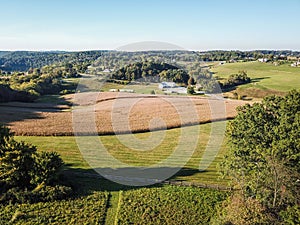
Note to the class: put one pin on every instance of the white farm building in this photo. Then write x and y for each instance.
(164, 85)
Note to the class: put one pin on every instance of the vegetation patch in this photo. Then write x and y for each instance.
(151, 72)
(169, 205)
(84, 210)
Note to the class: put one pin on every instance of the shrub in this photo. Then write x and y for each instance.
(47, 166)
(190, 90)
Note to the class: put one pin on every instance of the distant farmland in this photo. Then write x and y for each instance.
(266, 77)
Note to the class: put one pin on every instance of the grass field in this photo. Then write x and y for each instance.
(68, 149)
(152, 205)
(110, 203)
(266, 77)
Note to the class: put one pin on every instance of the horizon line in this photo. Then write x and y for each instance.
(196, 50)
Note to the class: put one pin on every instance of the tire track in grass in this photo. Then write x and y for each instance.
(112, 208)
(118, 208)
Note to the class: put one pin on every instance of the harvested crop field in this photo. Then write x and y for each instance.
(113, 113)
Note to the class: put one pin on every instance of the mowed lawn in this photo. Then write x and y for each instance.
(68, 149)
(264, 75)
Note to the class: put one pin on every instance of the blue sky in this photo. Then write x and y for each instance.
(191, 24)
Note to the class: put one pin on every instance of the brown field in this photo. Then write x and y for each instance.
(114, 113)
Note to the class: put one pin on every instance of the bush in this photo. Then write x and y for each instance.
(49, 193)
(190, 90)
(239, 210)
(16, 163)
(47, 166)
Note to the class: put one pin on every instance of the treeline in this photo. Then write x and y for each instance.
(115, 60)
(24, 60)
(246, 55)
(28, 86)
(151, 72)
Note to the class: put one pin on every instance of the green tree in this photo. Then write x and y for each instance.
(264, 155)
(22, 166)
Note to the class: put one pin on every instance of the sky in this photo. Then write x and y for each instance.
(190, 24)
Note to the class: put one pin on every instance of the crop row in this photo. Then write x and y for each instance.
(169, 205)
(84, 210)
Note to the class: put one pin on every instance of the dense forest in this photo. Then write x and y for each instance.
(151, 72)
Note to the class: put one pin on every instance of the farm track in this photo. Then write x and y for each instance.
(114, 113)
(111, 208)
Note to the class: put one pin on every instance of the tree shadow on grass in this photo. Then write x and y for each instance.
(20, 111)
(258, 79)
(86, 181)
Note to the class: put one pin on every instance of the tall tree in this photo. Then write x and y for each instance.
(264, 155)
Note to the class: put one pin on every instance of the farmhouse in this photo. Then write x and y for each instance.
(108, 70)
(127, 90)
(176, 90)
(122, 90)
(295, 64)
(164, 85)
(263, 60)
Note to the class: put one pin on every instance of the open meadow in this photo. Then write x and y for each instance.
(70, 153)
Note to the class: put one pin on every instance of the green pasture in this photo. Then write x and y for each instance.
(137, 156)
(264, 75)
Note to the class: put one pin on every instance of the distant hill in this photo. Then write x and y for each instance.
(24, 60)
(2, 53)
